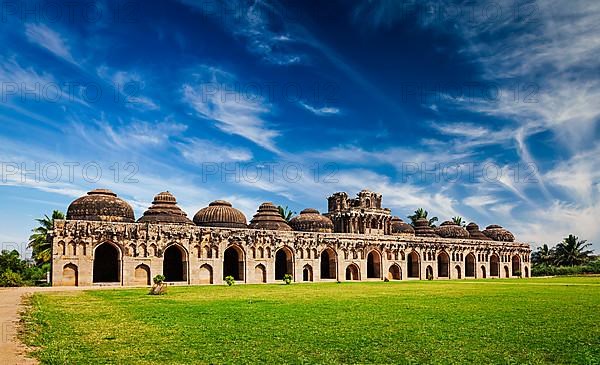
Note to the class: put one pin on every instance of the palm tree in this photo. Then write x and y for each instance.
(38, 241)
(571, 251)
(285, 213)
(458, 220)
(422, 213)
(543, 256)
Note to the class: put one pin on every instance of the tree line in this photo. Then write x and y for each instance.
(572, 256)
(15, 271)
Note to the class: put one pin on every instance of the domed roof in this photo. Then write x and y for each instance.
(475, 233)
(220, 213)
(164, 209)
(449, 229)
(310, 220)
(400, 227)
(100, 205)
(268, 217)
(423, 229)
(497, 233)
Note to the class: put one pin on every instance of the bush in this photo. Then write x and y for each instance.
(287, 279)
(229, 280)
(550, 270)
(159, 279)
(159, 287)
(11, 278)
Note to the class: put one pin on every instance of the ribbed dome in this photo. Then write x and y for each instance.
(449, 229)
(268, 217)
(310, 220)
(220, 213)
(423, 229)
(164, 209)
(497, 233)
(401, 227)
(475, 233)
(100, 205)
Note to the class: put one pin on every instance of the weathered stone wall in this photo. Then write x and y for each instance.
(141, 247)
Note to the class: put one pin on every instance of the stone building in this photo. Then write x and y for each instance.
(101, 243)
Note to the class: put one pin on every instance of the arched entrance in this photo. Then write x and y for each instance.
(394, 272)
(352, 272)
(175, 264)
(307, 273)
(70, 275)
(429, 272)
(458, 272)
(483, 275)
(526, 272)
(506, 272)
(516, 265)
(373, 264)
(206, 274)
(328, 264)
(142, 275)
(413, 265)
(443, 265)
(283, 263)
(107, 264)
(494, 266)
(470, 266)
(260, 274)
(233, 263)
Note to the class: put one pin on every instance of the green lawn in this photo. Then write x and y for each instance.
(485, 321)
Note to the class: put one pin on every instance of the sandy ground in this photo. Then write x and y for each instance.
(12, 351)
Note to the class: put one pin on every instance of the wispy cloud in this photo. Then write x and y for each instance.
(43, 36)
(130, 85)
(322, 111)
(200, 151)
(260, 24)
(242, 114)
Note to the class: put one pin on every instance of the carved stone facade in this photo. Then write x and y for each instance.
(133, 253)
(362, 214)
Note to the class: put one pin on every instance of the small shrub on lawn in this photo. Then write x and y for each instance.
(159, 287)
(230, 280)
(287, 279)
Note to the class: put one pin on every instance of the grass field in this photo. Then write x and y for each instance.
(486, 321)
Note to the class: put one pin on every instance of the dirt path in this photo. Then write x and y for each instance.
(12, 351)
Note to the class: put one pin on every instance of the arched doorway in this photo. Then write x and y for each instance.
(506, 272)
(516, 265)
(307, 273)
(373, 264)
(328, 264)
(70, 275)
(458, 272)
(470, 266)
(141, 275)
(283, 263)
(413, 265)
(352, 272)
(233, 263)
(206, 274)
(175, 264)
(260, 273)
(394, 272)
(429, 272)
(107, 264)
(443, 265)
(483, 274)
(526, 272)
(494, 266)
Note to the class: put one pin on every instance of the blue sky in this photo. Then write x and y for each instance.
(487, 110)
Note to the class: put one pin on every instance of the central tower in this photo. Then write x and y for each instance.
(362, 215)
